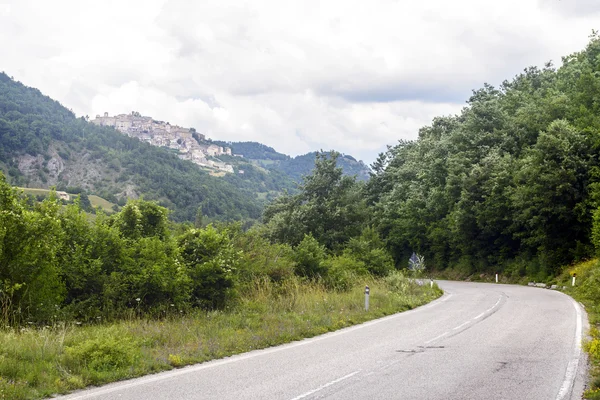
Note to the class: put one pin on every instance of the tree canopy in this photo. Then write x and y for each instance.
(510, 183)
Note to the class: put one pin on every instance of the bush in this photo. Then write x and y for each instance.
(370, 250)
(104, 354)
(211, 261)
(343, 271)
(397, 282)
(596, 230)
(260, 258)
(309, 256)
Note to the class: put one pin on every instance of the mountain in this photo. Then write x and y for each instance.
(294, 167)
(43, 144)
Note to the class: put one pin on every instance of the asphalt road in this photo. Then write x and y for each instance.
(479, 341)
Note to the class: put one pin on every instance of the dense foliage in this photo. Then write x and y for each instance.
(57, 265)
(328, 207)
(300, 166)
(509, 184)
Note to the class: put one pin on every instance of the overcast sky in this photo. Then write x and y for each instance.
(296, 75)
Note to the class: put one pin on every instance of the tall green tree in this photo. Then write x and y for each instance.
(329, 207)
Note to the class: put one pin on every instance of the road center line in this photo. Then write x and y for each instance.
(461, 325)
(326, 385)
(437, 337)
(466, 323)
(480, 315)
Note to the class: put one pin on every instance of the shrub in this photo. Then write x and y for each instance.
(397, 282)
(211, 261)
(370, 250)
(260, 258)
(596, 230)
(309, 256)
(342, 272)
(103, 354)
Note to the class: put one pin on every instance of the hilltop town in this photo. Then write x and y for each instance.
(190, 145)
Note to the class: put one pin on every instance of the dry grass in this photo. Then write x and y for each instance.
(39, 362)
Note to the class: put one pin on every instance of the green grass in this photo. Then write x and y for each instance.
(587, 291)
(105, 205)
(39, 362)
(35, 192)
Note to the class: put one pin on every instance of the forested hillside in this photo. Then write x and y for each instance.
(509, 184)
(42, 144)
(300, 166)
(253, 150)
(293, 167)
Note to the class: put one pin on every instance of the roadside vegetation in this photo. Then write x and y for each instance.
(36, 362)
(85, 302)
(587, 291)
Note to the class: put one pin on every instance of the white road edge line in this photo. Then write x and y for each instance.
(571, 372)
(326, 385)
(116, 386)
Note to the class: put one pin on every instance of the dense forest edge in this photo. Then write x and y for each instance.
(511, 185)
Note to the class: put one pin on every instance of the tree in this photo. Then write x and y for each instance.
(329, 207)
(309, 256)
(210, 260)
(30, 284)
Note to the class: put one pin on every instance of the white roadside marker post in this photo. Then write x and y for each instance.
(573, 283)
(431, 283)
(367, 298)
(496, 277)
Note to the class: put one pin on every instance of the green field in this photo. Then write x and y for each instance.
(96, 201)
(105, 205)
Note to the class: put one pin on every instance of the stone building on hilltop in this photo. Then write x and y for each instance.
(159, 133)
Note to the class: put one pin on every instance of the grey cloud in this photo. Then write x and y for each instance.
(189, 46)
(187, 87)
(78, 96)
(401, 91)
(114, 75)
(572, 8)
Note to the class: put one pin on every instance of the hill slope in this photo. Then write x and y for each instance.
(294, 167)
(42, 144)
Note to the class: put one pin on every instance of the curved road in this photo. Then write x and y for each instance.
(479, 341)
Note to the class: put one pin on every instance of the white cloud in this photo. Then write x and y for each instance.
(298, 76)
